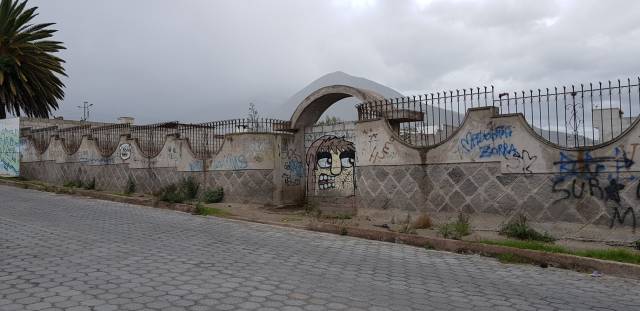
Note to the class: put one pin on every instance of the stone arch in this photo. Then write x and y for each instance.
(313, 106)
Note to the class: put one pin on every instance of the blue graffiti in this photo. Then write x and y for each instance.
(232, 162)
(295, 167)
(474, 140)
(195, 166)
(587, 166)
(503, 149)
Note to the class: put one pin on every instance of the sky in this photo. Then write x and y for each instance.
(206, 60)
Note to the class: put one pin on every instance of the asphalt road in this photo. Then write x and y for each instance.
(67, 253)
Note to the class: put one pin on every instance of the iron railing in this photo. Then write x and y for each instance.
(205, 139)
(107, 137)
(42, 137)
(72, 137)
(575, 116)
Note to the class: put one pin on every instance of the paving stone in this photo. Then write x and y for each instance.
(69, 253)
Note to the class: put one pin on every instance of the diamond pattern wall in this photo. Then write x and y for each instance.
(481, 188)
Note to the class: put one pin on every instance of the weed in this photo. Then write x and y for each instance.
(339, 216)
(311, 209)
(185, 190)
(423, 222)
(533, 245)
(636, 245)
(210, 211)
(214, 195)
(343, 231)
(131, 186)
(457, 229)
(512, 258)
(171, 193)
(73, 184)
(189, 187)
(407, 228)
(519, 229)
(90, 185)
(615, 254)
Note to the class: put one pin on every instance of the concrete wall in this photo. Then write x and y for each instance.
(494, 167)
(498, 167)
(246, 166)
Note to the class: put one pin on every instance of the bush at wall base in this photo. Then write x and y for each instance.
(214, 195)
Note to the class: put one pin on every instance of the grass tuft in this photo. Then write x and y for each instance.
(614, 254)
(210, 211)
(456, 230)
(532, 245)
(520, 229)
(512, 258)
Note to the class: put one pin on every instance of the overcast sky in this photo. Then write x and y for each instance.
(205, 60)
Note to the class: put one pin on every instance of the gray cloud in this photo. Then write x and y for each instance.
(204, 60)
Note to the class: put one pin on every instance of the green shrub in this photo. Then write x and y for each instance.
(185, 190)
(131, 186)
(636, 245)
(519, 229)
(91, 185)
(457, 229)
(214, 195)
(189, 187)
(172, 194)
(73, 184)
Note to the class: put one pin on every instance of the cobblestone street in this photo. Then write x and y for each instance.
(68, 253)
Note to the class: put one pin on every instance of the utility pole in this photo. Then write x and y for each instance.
(85, 110)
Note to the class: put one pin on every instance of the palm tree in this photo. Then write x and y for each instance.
(29, 82)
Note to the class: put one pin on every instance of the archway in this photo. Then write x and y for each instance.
(329, 150)
(311, 108)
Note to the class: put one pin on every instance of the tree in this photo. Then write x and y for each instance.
(29, 71)
(253, 119)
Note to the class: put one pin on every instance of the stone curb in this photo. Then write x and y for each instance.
(566, 261)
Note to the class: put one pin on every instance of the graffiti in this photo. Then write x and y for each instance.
(124, 151)
(521, 162)
(231, 162)
(9, 147)
(487, 142)
(196, 166)
(173, 153)
(294, 173)
(583, 174)
(384, 153)
(331, 161)
(256, 150)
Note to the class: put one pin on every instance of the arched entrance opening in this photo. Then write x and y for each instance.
(328, 149)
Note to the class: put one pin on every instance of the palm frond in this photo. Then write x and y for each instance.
(29, 69)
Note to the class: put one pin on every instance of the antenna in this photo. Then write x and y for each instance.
(85, 110)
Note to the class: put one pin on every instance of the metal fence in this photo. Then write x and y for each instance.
(42, 137)
(72, 137)
(575, 116)
(205, 139)
(107, 137)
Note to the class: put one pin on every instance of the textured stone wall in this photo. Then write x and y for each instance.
(480, 188)
(244, 167)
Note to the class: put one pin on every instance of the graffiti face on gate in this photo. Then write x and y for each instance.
(331, 160)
